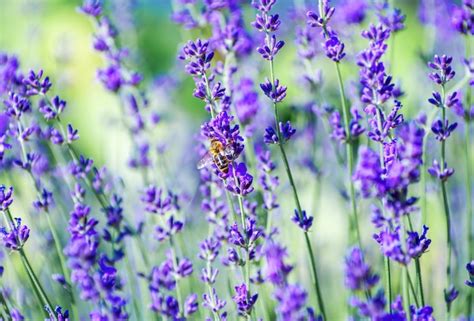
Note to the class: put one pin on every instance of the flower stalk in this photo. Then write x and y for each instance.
(349, 155)
(37, 287)
(309, 247)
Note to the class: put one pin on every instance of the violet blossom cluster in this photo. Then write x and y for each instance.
(442, 128)
(388, 173)
(291, 298)
(334, 49)
(361, 280)
(121, 80)
(166, 277)
(237, 258)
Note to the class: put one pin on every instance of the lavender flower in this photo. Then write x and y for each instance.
(286, 131)
(470, 270)
(374, 308)
(239, 180)
(92, 8)
(276, 270)
(334, 48)
(221, 128)
(268, 181)
(354, 12)
(275, 91)
(422, 314)
(291, 300)
(17, 236)
(303, 220)
(16, 315)
(198, 57)
(6, 197)
(462, 18)
(359, 276)
(394, 20)
(244, 300)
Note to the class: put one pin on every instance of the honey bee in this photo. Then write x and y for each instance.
(219, 154)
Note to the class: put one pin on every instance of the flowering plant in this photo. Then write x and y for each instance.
(323, 169)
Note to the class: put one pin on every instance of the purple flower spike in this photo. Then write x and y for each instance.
(443, 71)
(155, 202)
(287, 131)
(17, 236)
(36, 84)
(470, 270)
(334, 48)
(111, 77)
(6, 197)
(266, 23)
(359, 275)
(276, 270)
(44, 201)
(417, 244)
(3, 146)
(244, 300)
(422, 314)
(270, 136)
(394, 21)
(320, 19)
(167, 230)
(450, 294)
(275, 91)
(72, 134)
(442, 174)
(222, 129)
(462, 18)
(239, 180)
(291, 299)
(271, 48)
(443, 131)
(354, 11)
(213, 302)
(198, 57)
(91, 8)
(263, 5)
(16, 315)
(303, 221)
(191, 304)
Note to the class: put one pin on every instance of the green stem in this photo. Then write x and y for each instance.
(424, 173)
(412, 287)
(215, 314)
(350, 157)
(420, 280)
(5, 306)
(418, 269)
(179, 296)
(62, 262)
(388, 281)
(406, 295)
(309, 248)
(247, 258)
(268, 228)
(208, 93)
(470, 210)
(56, 239)
(101, 198)
(446, 202)
(39, 291)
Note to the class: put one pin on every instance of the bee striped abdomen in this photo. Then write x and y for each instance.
(221, 162)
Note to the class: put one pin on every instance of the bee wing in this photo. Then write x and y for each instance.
(205, 161)
(229, 151)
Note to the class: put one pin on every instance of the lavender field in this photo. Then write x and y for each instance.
(286, 160)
